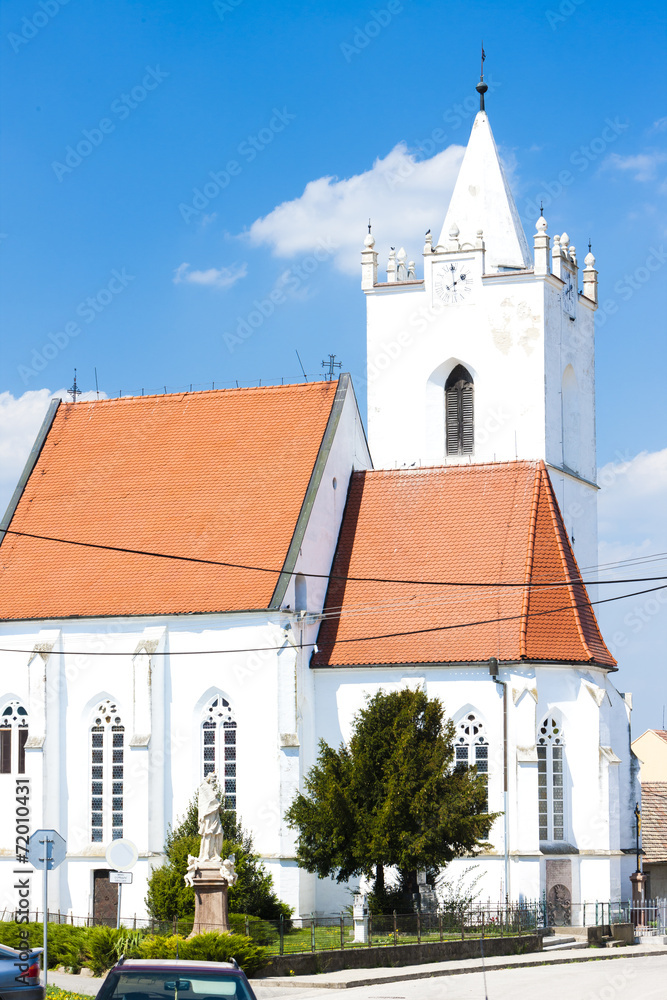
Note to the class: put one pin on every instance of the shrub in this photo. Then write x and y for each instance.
(258, 930)
(207, 948)
(66, 944)
(223, 947)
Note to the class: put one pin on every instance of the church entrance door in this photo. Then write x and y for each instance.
(105, 898)
(559, 906)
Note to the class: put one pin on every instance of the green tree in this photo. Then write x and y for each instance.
(253, 894)
(391, 798)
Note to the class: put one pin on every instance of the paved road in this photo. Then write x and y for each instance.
(620, 979)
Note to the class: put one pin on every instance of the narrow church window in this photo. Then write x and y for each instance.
(219, 746)
(550, 785)
(13, 736)
(107, 762)
(471, 747)
(459, 412)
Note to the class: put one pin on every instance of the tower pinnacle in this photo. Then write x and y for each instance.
(481, 87)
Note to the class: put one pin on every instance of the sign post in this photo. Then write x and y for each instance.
(121, 855)
(46, 850)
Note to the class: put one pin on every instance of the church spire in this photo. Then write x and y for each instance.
(482, 199)
(482, 87)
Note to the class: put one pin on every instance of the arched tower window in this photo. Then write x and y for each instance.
(218, 746)
(107, 753)
(550, 743)
(459, 412)
(13, 736)
(471, 747)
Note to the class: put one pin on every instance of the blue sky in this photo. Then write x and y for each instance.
(115, 115)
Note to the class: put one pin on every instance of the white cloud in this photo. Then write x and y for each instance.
(403, 197)
(214, 277)
(659, 126)
(20, 419)
(632, 505)
(644, 166)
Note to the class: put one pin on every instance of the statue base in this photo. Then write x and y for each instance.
(210, 899)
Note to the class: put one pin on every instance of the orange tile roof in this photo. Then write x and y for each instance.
(216, 475)
(489, 523)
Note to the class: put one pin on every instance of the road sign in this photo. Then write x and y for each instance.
(123, 878)
(122, 855)
(46, 846)
(46, 850)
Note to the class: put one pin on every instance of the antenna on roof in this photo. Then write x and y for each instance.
(97, 388)
(74, 391)
(301, 363)
(332, 364)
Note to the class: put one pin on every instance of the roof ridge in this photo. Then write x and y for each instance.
(467, 467)
(193, 392)
(530, 556)
(557, 521)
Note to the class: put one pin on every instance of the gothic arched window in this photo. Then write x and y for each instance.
(459, 412)
(13, 736)
(471, 747)
(550, 743)
(219, 746)
(107, 752)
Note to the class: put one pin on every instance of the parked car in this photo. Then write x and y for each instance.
(19, 974)
(172, 979)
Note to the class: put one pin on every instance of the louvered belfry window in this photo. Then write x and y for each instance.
(459, 410)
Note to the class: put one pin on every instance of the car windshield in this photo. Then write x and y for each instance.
(172, 986)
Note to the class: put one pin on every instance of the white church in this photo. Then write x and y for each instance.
(214, 581)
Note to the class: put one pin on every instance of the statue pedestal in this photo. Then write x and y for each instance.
(210, 899)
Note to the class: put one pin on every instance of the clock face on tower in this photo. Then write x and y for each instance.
(568, 293)
(453, 282)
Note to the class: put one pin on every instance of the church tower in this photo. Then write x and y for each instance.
(490, 356)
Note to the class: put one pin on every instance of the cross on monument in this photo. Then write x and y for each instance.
(74, 391)
(331, 364)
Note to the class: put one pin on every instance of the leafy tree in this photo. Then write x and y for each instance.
(253, 894)
(391, 798)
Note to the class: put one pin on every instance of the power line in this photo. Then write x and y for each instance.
(325, 576)
(363, 638)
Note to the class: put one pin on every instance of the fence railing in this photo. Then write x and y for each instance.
(341, 931)
(326, 933)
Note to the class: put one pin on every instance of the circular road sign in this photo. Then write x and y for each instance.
(122, 855)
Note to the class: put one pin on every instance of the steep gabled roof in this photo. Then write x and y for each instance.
(482, 199)
(216, 475)
(496, 523)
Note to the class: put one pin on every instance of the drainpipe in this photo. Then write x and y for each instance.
(493, 670)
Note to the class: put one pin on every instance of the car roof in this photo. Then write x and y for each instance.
(145, 964)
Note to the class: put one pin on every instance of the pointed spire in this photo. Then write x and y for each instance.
(482, 199)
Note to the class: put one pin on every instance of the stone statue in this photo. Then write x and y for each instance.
(227, 871)
(210, 826)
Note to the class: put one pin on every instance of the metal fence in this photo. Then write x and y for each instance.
(649, 917)
(342, 931)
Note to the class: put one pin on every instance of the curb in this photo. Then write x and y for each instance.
(491, 965)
